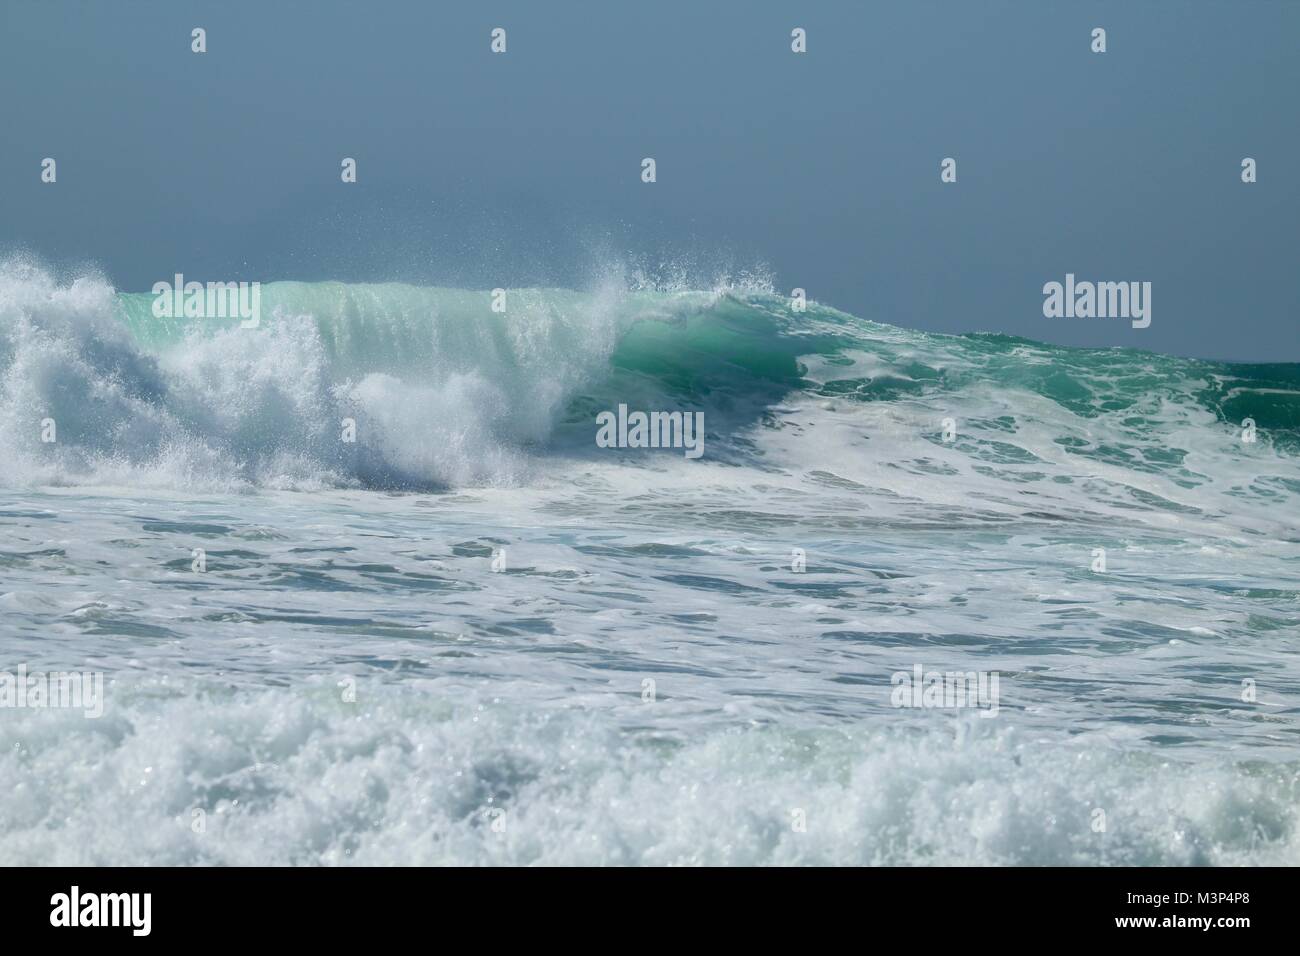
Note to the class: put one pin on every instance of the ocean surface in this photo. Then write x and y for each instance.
(473, 636)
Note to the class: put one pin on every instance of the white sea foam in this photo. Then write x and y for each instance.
(407, 778)
(442, 390)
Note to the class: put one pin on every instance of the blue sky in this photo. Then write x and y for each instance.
(480, 170)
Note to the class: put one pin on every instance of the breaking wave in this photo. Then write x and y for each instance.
(445, 392)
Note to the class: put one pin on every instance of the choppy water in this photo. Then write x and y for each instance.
(504, 715)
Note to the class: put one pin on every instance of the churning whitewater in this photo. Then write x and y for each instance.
(474, 634)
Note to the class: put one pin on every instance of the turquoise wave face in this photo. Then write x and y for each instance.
(698, 343)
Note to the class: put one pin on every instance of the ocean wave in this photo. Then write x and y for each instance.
(445, 392)
(281, 778)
